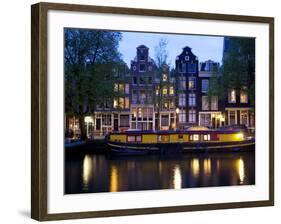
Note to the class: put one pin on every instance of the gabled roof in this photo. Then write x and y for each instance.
(142, 46)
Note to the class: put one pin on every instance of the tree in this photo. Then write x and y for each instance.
(161, 55)
(90, 56)
(238, 70)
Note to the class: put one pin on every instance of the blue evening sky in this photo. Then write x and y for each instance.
(204, 47)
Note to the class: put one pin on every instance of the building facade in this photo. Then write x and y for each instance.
(187, 89)
(211, 108)
(147, 97)
(238, 109)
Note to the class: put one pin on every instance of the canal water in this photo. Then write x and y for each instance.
(92, 173)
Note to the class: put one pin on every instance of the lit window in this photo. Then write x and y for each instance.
(205, 85)
(243, 95)
(196, 137)
(121, 88)
(206, 137)
(165, 104)
(115, 103)
(172, 90)
(165, 77)
(157, 90)
(165, 90)
(121, 102)
(191, 83)
(134, 113)
(115, 87)
(127, 103)
(191, 99)
(172, 105)
(163, 138)
(139, 112)
(232, 96)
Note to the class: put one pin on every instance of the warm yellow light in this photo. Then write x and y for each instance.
(195, 167)
(241, 170)
(88, 119)
(240, 136)
(171, 90)
(177, 111)
(207, 166)
(177, 177)
(113, 179)
(87, 170)
(115, 103)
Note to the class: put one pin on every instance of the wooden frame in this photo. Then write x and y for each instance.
(39, 110)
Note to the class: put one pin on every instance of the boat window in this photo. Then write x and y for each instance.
(194, 137)
(138, 138)
(163, 138)
(206, 137)
(131, 138)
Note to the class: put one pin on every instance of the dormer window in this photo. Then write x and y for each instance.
(142, 57)
(142, 68)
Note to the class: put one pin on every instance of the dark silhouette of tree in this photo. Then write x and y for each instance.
(237, 71)
(90, 58)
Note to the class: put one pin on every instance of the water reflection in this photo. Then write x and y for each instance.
(100, 173)
(241, 170)
(113, 179)
(207, 166)
(177, 177)
(87, 171)
(195, 167)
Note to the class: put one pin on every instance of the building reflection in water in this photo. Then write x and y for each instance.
(195, 167)
(207, 166)
(241, 169)
(177, 182)
(113, 179)
(87, 171)
(98, 173)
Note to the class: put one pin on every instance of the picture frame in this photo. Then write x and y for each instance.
(40, 155)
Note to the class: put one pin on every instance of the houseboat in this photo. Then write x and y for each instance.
(196, 139)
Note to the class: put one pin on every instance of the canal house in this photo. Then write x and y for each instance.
(210, 107)
(187, 91)
(143, 73)
(147, 97)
